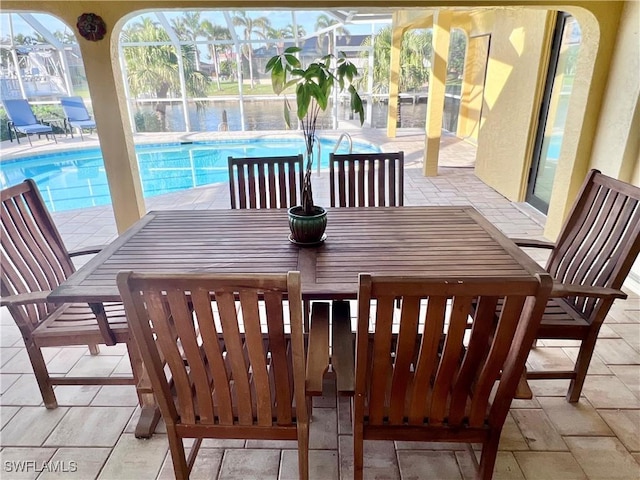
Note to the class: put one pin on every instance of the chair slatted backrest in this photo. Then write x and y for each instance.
(74, 109)
(367, 179)
(265, 182)
(230, 365)
(428, 375)
(600, 239)
(34, 258)
(19, 112)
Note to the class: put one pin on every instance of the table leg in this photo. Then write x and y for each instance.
(149, 417)
(103, 323)
(150, 413)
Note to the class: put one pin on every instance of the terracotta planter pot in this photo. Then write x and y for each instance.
(307, 229)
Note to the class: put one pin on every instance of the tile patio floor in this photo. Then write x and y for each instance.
(543, 439)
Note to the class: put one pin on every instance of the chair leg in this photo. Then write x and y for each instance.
(582, 365)
(94, 349)
(309, 406)
(176, 448)
(42, 375)
(489, 454)
(358, 452)
(303, 451)
(137, 368)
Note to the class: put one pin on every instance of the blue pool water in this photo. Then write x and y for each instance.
(76, 179)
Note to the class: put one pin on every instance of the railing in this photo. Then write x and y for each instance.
(344, 134)
(335, 149)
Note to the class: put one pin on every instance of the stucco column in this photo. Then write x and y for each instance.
(437, 80)
(114, 130)
(394, 76)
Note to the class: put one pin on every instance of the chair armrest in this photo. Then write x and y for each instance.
(343, 353)
(560, 290)
(530, 242)
(318, 348)
(25, 298)
(87, 250)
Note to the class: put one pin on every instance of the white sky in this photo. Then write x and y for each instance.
(278, 18)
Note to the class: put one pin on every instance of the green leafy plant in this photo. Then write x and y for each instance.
(313, 87)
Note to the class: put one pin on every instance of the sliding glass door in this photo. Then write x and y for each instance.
(553, 112)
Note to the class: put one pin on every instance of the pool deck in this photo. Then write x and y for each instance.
(543, 438)
(96, 225)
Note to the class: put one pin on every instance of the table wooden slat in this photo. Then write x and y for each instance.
(436, 241)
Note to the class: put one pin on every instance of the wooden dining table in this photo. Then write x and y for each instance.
(432, 241)
(425, 241)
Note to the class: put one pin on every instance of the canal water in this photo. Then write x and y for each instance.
(268, 115)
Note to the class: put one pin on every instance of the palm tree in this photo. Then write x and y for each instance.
(215, 32)
(323, 22)
(282, 33)
(34, 39)
(66, 37)
(381, 60)
(189, 27)
(287, 32)
(276, 34)
(251, 26)
(457, 51)
(152, 68)
(416, 47)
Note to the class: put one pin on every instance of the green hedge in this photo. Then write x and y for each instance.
(147, 122)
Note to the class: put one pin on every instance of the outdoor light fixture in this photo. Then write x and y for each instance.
(91, 26)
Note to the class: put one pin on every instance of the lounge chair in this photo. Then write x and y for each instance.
(22, 120)
(76, 115)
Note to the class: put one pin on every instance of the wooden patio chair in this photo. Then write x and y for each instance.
(589, 262)
(366, 179)
(232, 368)
(265, 182)
(427, 383)
(34, 262)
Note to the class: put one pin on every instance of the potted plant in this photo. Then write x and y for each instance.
(313, 87)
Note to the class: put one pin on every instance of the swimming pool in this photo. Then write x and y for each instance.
(76, 179)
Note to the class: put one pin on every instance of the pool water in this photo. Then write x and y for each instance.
(76, 179)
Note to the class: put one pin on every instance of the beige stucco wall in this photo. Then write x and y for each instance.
(616, 147)
(617, 141)
(519, 39)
